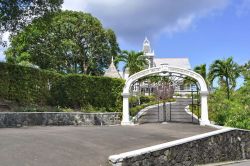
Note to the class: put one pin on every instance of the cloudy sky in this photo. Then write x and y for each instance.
(202, 30)
(133, 19)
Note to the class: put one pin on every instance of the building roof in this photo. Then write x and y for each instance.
(178, 62)
(112, 71)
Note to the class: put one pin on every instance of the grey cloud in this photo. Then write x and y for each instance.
(132, 20)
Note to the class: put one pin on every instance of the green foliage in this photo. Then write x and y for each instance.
(137, 103)
(202, 70)
(67, 42)
(136, 100)
(231, 112)
(30, 86)
(39, 109)
(150, 100)
(77, 91)
(134, 61)
(133, 111)
(25, 85)
(147, 99)
(15, 14)
(91, 109)
(227, 71)
(245, 69)
(228, 106)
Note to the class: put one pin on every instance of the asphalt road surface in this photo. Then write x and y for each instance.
(84, 146)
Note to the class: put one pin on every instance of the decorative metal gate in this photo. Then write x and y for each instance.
(185, 108)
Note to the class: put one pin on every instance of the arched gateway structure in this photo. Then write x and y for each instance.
(166, 69)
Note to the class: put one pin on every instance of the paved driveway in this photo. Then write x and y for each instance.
(83, 146)
(175, 110)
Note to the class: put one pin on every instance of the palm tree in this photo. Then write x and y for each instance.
(245, 69)
(134, 61)
(227, 71)
(202, 70)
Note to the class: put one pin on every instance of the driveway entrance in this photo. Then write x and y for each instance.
(91, 146)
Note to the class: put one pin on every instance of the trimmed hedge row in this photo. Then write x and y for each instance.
(30, 86)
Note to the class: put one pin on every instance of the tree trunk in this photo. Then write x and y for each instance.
(75, 66)
(228, 88)
(84, 68)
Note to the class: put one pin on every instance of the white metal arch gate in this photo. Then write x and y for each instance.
(163, 69)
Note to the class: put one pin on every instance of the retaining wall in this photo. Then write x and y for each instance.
(19, 119)
(216, 146)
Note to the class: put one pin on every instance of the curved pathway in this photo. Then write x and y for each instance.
(177, 114)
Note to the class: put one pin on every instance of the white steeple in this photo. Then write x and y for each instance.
(148, 52)
(146, 46)
(112, 71)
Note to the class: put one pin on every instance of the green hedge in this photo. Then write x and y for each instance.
(30, 86)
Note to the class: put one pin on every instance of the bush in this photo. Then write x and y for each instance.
(234, 112)
(25, 85)
(147, 99)
(30, 86)
(134, 110)
(139, 100)
(77, 91)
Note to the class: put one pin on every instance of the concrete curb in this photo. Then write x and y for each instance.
(225, 163)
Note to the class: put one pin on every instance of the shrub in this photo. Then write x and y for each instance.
(133, 101)
(30, 86)
(134, 110)
(234, 112)
(139, 100)
(147, 99)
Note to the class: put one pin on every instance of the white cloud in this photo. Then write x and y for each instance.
(181, 24)
(134, 19)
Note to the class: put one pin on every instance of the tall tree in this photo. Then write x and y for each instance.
(202, 70)
(67, 41)
(226, 71)
(16, 14)
(246, 70)
(134, 61)
(114, 46)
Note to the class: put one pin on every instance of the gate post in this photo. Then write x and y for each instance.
(125, 111)
(204, 109)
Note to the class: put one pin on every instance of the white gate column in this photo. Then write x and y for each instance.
(125, 111)
(204, 108)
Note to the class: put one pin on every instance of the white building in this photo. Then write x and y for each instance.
(154, 62)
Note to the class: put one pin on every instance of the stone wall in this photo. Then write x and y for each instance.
(218, 146)
(19, 119)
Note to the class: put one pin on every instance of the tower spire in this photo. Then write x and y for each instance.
(146, 46)
(112, 71)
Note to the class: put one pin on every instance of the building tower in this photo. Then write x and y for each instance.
(148, 53)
